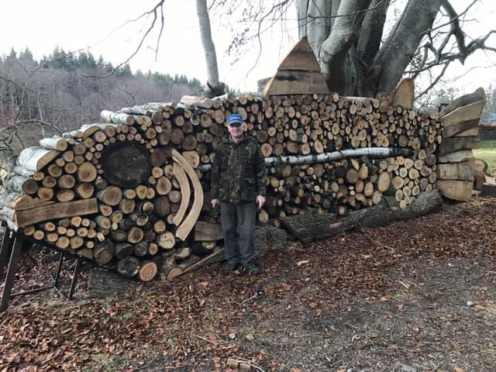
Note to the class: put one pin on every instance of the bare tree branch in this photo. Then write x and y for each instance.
(278, 8)
(455, 28)
(159, 7)
(454, 17)
(25, 88)
(434, 82)
(10, 82)
(443, 58)
(127, 93)
(43, 123)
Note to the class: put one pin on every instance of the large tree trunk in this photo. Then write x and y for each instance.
(208, 45)
(301, 13)
(334, 50)
(322, 226)
(346, 37)
(403, 41)
(317, 27)
(372, 30)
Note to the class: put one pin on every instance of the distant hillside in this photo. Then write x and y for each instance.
(62, 90)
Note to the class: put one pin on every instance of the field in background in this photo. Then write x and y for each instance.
(486, 150)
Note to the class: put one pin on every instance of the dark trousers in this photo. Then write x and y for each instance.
(238, 225)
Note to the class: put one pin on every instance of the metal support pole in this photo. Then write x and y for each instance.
(40, 289)
(11, 271)
(5, 247)
(72, 288)
(74, 278)
(57, 273)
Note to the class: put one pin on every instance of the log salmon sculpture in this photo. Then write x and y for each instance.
(132, 192)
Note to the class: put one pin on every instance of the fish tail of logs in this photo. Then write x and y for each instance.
(458, 173)
(128, 193)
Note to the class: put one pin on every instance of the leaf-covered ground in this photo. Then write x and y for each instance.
(415, 296)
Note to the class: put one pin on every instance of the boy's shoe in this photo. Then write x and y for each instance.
(251, 269)
(229, 268)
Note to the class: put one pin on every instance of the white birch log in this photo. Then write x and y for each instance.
(135, 110)
(72, 134)
(154, 106)
(21, 171)
(116, 117)
(373, 152)
(55, 143)
(14, 182)
(7, 214)
(223, 98)
(89, 129)
(7, 199)
(203, 102)
(35, 158)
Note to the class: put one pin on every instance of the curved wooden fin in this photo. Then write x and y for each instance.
(298, 73)
(300, 58)
(462, 129)
(456, 189)
(190, 221)
(455, 171)
(185, 193)
(404, 93)
(467, 99)
(453, 144)
(460, 120)
(463, 114)
(456, 157)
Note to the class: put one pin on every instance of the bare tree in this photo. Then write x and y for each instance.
(356, 59)
(23, 106)
(38, 100)
(216, 87)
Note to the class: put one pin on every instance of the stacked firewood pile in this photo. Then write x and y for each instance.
(318, 124)
(134, 192)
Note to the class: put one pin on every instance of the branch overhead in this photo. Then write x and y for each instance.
(157, 10)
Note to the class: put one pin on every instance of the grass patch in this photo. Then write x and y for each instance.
(103, 362)
(486, 145)
(486, 150)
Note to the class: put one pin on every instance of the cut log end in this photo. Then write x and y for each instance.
(148, 271)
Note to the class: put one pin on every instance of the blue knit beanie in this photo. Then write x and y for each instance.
(234, 119)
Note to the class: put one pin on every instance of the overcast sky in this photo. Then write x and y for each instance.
(75, 24)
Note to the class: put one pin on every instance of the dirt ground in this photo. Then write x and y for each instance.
(414, 296)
